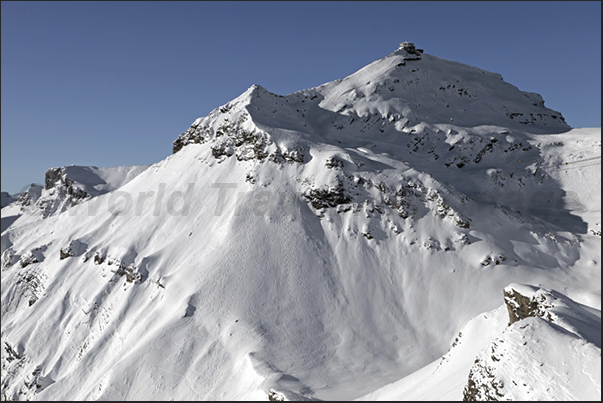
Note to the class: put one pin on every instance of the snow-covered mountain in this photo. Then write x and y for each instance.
(327, 244)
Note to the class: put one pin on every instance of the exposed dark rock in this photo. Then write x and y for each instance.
(323, 198)
(496, 259)
(75, 248)
(27, 259)
(334, 163)
(521, 306)
(63, 195)
(218, 152)
(64, 253)
(33, 284)
(233, 139)
(488, 148)
(57, 177)
(274, 396)
(53, 175)
(131, 272)
(476, 389)
(99, 258)
(11, 353)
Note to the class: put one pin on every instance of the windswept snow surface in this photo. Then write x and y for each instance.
(320, 245)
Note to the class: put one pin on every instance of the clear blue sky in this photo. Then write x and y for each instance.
(114, 83)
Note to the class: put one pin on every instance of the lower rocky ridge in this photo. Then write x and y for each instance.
(523, 363)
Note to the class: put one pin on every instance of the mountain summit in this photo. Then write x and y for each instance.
(403, 91)
(354, 239)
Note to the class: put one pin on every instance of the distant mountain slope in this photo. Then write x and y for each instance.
(319, 245)
(7, 199)
(65, 187)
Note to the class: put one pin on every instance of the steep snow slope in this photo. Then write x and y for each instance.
(574, 161)
(321, 244)
(446, 377)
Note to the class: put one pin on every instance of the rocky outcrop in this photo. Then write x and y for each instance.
(237, 139)
(32, 283)
(33, 256)
(54, 175)
(524, 301)
(57, 178)
(330, 197)
(75, 248)
(482, 384)
(120, 269)
(275, 396)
